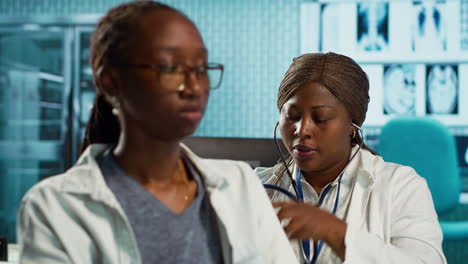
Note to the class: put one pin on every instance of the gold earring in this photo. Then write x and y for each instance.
(115, 106)
(181, 87)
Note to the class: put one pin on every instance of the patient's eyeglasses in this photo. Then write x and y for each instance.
(173, 77)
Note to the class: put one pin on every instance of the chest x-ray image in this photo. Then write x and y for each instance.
(429, 31)
(399, 89)
(442, 89)
(372, 26)
(330, 28)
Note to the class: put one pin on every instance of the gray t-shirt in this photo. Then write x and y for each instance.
(162, 235)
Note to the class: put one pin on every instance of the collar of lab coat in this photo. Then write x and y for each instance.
(359, 170)
(362, 167)
(359, 173)
(86, 177)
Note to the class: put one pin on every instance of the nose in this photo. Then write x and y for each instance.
(193, 80)
(304, 128)
(193, 84)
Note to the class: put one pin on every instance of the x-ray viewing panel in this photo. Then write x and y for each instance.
(415, 54)
(418, 89)
(412, 51)
(384, 31)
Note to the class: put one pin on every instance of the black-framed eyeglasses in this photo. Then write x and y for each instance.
(173, 77)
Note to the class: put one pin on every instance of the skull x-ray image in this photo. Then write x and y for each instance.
(442, 89)
(399, 89)
(372, 26)
(429, 31)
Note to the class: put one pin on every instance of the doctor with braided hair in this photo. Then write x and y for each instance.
(339, 201)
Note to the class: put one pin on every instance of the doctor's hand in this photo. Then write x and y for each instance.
(307, 221)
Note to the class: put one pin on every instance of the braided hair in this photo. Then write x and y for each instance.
(341, 75)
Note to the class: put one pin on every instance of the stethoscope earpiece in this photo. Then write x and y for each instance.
(356, 126)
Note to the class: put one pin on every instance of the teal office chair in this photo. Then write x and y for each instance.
(427, 146)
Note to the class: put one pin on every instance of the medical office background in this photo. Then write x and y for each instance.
(415, 53)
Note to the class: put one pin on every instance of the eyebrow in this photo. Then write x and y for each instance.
(321, 106)
(201, 51)
(313, 107)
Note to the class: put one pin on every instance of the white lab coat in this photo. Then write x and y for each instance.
(75, 217)
(389, 213)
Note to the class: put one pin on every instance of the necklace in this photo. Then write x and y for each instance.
(183, 174)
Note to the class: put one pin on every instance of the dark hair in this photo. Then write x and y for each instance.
(341, 75)
(109, 44)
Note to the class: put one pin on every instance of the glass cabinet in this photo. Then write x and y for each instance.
(34, 89)
(83, 94)
(46, 93)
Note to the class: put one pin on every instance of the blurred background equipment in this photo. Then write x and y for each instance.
(414, 52)
(428, 146)
(34, 93)
(3, 249)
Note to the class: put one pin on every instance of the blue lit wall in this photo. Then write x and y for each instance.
(255, 40)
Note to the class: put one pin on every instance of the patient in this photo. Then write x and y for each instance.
(137, 195)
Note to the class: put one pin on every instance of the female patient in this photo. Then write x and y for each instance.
(142, 197)
(357, 207)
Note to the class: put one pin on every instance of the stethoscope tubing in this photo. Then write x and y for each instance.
(298, 196)
(281, 190)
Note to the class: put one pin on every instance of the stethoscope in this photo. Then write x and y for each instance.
(298, 195)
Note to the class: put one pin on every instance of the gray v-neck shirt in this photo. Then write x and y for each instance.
(162, 235)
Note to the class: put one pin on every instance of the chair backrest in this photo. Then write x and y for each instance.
(429, 147)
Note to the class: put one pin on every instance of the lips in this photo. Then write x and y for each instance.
(192, 108)
(192, 113)
(304, 151)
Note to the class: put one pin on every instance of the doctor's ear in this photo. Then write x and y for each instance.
(353, 132)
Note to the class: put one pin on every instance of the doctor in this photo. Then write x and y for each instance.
(137, 195)
(357, 208)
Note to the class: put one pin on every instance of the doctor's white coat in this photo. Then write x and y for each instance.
(389, 212)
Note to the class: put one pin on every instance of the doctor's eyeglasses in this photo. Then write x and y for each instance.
(173, 77)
